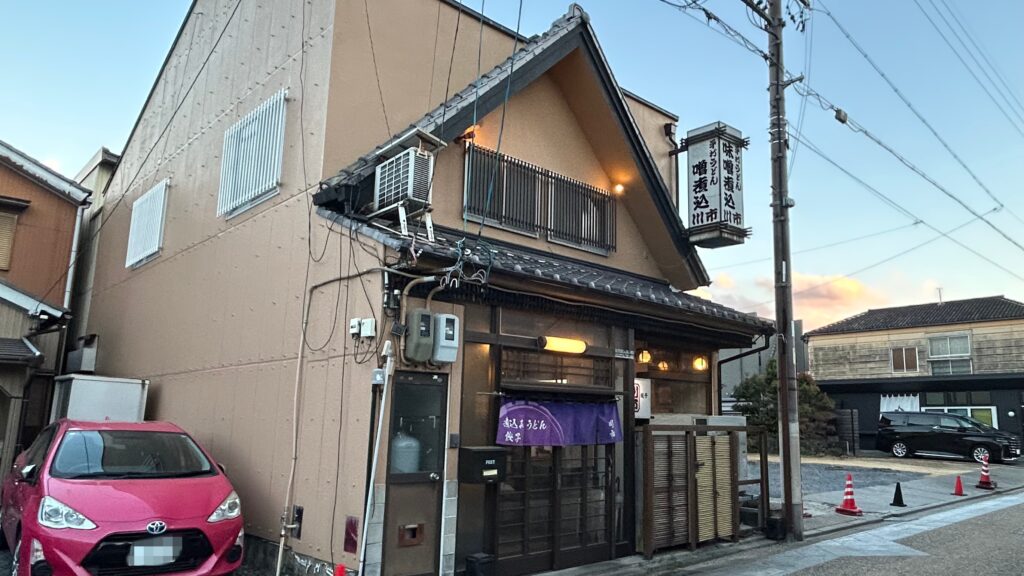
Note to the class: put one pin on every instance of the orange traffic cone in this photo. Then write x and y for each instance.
(958, 488)
(849, 505)
(986, 482)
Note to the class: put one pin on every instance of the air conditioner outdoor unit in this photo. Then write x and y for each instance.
(404, 180)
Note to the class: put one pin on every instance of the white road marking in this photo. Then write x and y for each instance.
(877, 542)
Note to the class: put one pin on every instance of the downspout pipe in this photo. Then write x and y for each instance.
(767, 344)
(69, 285)
(389, 371)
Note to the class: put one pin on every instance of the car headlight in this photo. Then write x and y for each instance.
(55, 514)
(230, 508)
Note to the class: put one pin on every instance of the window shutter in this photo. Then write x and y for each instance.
(146, 235)
(8, 223)
(251, 160)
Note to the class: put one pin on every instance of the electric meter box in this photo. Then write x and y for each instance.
(446, 338)
(419, 339)
(481, 464)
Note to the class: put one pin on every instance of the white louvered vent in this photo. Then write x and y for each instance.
(251, 163)
(8, 224)
(146, 235)
(404, 177)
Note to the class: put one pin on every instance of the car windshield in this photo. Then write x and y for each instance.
(128, 454)
(977, 423)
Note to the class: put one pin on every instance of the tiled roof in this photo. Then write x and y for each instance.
(504, 258)
(41, 173)
(15, 350)
(933, 314)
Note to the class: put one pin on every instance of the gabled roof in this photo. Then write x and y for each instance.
(537, 55)
(922, 315)
(40, 173)
(27, 302)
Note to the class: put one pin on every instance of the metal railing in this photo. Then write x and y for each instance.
(507, 192)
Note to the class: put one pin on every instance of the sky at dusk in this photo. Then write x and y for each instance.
(81, 84)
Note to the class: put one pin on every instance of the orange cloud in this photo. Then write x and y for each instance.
(821, 300)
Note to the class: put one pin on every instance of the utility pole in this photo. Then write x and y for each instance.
(789, 419)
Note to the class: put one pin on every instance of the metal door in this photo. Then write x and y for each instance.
(415, 490)
(555, 509)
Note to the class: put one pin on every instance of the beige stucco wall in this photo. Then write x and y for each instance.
(214, 321)
(540, 128)
(651, 123)
(995, 347)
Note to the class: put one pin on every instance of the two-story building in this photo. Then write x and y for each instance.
(963, 357)
(340, 352)
(41, 214)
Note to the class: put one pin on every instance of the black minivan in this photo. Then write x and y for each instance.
(936, 434)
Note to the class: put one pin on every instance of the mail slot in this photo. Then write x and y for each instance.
(481, 464)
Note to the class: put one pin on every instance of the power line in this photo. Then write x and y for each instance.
(823, 246)
(892, 203)
(376, 70)
(84, 248)
(914, 109)
(808, 63)
(724, 29)
(904, 252)
(844, 118)
(959, 19)
(970, 70)
(970, 53)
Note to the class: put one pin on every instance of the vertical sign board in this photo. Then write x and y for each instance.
(715, 176)
(642, 398)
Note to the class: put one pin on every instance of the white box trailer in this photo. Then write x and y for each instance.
(99, 398)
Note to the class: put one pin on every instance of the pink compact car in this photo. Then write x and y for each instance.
(99, 498)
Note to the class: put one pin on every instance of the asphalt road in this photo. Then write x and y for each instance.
(989, 544)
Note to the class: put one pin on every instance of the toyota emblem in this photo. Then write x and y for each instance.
(156, 527)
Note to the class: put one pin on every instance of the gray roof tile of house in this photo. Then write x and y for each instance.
(15, 350)
(987, 309)
(504, 258)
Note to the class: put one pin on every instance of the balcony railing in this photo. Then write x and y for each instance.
(509, 193)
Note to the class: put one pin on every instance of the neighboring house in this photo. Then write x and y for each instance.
(94, 176)
(568, 239)
(40, 213)
(963, 357)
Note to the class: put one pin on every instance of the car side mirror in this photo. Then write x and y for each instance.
(962, 429)
(28, 473)
(222, 468)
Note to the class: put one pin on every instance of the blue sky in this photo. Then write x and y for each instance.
(80, 85)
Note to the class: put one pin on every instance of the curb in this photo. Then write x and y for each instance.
(869, 521)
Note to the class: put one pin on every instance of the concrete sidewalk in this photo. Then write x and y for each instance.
(920, 494)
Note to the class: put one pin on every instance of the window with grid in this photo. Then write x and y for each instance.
(507, 192)
(8, 224)
(146, 232)
(946, 346)
(951, 367)
(904, 359)
(251, 161)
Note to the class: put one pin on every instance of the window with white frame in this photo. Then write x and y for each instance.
(950, 355)
(946, 346)
(146, 232)
(904, 359)
(251, 161)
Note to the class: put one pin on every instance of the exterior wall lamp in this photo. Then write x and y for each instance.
(700, 363)
(564, 345)
(643, 356)
(663, 366)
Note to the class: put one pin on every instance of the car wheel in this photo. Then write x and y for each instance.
(899, 450)
(16, 557)
(979, 452)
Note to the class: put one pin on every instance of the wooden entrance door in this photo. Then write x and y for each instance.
(555, 509)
